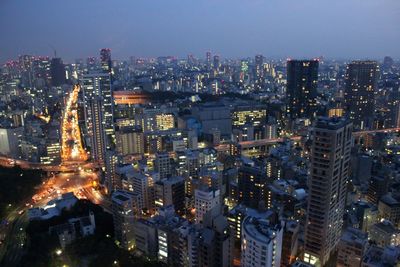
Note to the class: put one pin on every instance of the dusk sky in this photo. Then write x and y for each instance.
(230, 28)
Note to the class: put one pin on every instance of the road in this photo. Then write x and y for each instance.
(72, 147)
(75, 174)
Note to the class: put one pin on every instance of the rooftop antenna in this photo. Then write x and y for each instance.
(55, 51)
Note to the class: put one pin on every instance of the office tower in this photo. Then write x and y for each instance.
(208, 59)
(254, 115)
(164, 121)
(205, 199)
(41, 70)
(216, 63)
(361, 77)
(244, 67)
(129, 140)
(124, 209)
(351, 248)
(258, 61)
(261, 243)
(171, 192)
(252, 185)
(162, 164)
(97, 87)
(330, 160)
(105, 60)
(259, 71)
(57, 70)
(301, 89)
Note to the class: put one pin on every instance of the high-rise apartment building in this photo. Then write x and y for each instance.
(97, 94)
(129, 140)
(301, 90)
(97, 132)
(361, 77)
(330, 160)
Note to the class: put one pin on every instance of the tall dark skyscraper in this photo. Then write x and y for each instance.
(301, 91)
(330, 164)
(57, 71)
(361, 79)
(105, 59)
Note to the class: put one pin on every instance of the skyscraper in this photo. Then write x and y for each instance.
(301, 91)
(208, 59)
(57, 71)
(361, 79)
(97, 87)
(330, 160)
(105, 60)
(97, 133)
(216, 62)
(259, 71)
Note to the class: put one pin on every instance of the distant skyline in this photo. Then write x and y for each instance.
(230, 28)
